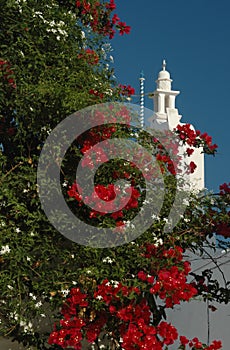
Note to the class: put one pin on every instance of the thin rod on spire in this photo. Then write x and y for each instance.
(164, 64)
(142, 98)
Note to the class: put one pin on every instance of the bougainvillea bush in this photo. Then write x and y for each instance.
(56, 59)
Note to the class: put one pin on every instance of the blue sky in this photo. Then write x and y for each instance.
(194, 38)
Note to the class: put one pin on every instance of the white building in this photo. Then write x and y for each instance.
(167, 117)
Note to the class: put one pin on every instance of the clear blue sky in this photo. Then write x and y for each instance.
(194, 38)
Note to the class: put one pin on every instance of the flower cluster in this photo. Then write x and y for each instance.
(96, 93)
(98, 16)
(102, 199)
(7, 73)
(105, 200)
(123, 310)
(225, 188)
(196, 344)
(126, 90)
(5, 249)
(71, 325)
(165, 160)
(222, 227)
(90, 56)
(220, 213)
(169, 283)
(194, 138)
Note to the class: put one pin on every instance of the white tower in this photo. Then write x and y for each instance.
(166, 117)
(165, 113)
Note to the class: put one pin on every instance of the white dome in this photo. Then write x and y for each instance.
(163, 74)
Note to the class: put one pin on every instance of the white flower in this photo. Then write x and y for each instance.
(158, 242)
(5, 249)
(109, 92)
(42, 315)
(108, 260)
(38, 304)
(74, 283)
(28, 258)
(38, 13)
(65, 184)
(18, 230)
(13, 315)
(10, 287)
(32, 234)
(107, 47)
(99, 297)
(185, 201)
(129, 224)
(115, 283)
(65, 292)
(27, 326)
(155, 217)
(32, 296)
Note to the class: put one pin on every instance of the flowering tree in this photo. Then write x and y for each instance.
(55, 60)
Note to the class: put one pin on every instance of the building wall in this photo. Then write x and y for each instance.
(192, 318)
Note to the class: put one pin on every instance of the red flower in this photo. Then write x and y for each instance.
(225, 188)
(216, 345)
(167, 332)
(96, 93)
(90, 56)
(189, 151)
(126, 90)
(123, 28)
(115, 19)
(192, 167)
(223, 228)
(142, 275)
(183, 340)
(111, 5)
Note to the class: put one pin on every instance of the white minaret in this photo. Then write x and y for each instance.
(166, 117)
(164, 102)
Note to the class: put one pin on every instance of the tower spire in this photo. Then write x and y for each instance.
(163, 64)
(142, 98)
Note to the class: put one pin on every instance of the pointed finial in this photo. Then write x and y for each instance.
(164, 64)
(142, 76)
